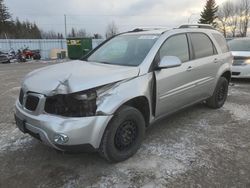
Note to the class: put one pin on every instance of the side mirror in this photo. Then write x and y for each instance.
(169, 62)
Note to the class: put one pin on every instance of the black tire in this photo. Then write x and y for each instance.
(220, 94)
(123, 135)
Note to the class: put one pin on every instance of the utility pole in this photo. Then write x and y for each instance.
(65, 25)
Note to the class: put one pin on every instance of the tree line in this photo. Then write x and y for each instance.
(16, 29)
(231, 18)
(10, 28)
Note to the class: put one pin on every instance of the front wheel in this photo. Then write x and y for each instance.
(123, 135)
(220, 94)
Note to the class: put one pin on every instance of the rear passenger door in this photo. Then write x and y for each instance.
(205, 63)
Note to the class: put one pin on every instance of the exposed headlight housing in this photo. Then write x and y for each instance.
(80, 104)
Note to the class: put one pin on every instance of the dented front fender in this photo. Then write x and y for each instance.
(124, 91)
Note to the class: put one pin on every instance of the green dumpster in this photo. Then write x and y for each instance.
(78, 47)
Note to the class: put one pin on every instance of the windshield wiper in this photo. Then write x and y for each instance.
(105, 62)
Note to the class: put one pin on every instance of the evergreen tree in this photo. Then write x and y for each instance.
(208, 15)
(4, 14)
(5, 17)
(36, 32)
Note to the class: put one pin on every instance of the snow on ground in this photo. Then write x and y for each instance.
(12, 140)
(9, 91)
(239, 112)
(234, 91)
(155, 164)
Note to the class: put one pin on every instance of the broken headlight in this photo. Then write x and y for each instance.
(80, 104)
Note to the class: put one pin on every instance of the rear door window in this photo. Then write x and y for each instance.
(202, 45)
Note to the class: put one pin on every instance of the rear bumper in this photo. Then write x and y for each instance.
(81, 132)
(241, 71)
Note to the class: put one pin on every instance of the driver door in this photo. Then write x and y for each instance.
(175, 86)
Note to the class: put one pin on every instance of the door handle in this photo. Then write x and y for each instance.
(217, 61)
(189, 68)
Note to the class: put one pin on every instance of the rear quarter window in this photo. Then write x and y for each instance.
(222, 42)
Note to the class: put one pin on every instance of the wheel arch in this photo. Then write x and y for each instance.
(227, 75)
(141, 103)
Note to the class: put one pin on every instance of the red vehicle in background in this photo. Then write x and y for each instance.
(31, 54)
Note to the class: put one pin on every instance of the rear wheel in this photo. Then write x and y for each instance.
(220, 94)
(123, 136)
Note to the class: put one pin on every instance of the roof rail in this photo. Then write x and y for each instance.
(201, 26)
(147, 29)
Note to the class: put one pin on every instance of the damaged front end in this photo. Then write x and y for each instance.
(66, 109)
(63, 121)
(80, 104)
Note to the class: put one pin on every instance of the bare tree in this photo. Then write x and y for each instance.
(223, 16)
(78, 33)
(111, 30)
(244, 10)
(97, 36)
(81, 33)
(234, 19)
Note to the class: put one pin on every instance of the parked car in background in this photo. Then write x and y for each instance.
(4, 57)
(106, 101)
(241, 51)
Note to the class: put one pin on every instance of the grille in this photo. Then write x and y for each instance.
(235, 73)
(240, 58)
(31, 102)
(35, 135)
(21, 97)
(238, 62)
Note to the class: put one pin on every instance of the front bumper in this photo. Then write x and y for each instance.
(86, 131)
(241, 71)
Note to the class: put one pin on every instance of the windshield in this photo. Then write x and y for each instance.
(239, 45)
(128, 50)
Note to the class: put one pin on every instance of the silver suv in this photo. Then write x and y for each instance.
(106, 101)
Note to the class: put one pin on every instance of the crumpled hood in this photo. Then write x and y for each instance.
(75, 76)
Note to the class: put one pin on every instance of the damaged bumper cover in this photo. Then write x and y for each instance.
(78, 131)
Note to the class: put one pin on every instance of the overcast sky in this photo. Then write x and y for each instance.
(94, 15)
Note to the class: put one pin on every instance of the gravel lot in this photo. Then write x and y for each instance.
(197, 147)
